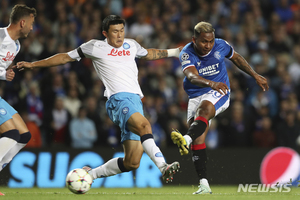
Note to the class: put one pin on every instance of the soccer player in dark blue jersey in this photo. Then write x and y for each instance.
(207, 84)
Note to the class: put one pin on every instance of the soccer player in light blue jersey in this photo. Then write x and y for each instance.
(207, 84)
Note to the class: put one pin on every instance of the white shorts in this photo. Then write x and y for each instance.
(221, 103)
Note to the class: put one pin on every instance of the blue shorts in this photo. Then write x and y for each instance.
(6, 111)
(120, 107)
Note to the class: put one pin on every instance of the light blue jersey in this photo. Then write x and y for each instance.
(211, 66)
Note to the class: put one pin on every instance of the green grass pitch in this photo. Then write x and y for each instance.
(164, 193)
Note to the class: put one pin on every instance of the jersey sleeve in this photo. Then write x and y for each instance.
(141, 51)
(85, 50)
(186, 60)
(227, 49)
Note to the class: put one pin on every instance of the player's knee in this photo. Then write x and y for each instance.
(144, 128)
(132, 165)
(199, 140)
(12, 134)
(25, 137)
(207, 111)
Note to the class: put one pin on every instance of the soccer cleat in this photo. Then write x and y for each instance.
(87, 169)
(1, 194)
(203, 187)
(180, 141)
(169, 171)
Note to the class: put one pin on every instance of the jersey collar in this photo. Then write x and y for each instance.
(6, 32)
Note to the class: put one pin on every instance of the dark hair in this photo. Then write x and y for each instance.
(111, 20)
(19, 11)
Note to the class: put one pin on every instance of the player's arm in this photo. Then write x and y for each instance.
(154, 54)
(243, 65)
(57, 59)
(192, 75)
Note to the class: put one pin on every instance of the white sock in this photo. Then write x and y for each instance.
(11, 153)
(188, 140)
(109, 168)
(5, 145)
(154, 153)
(204, 181)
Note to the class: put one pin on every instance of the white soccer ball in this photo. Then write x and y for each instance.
(79, 181)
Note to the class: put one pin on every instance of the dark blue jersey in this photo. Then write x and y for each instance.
(211, 66)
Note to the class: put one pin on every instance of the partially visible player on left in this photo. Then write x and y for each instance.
(14, 134)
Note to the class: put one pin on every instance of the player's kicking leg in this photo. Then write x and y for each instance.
(133, 153)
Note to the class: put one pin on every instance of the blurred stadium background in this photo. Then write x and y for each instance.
(265, 32)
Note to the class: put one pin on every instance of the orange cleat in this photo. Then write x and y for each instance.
(1, 194)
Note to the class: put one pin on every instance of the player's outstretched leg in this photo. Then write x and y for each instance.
(203, 187)
(169, 171)
(178, 139)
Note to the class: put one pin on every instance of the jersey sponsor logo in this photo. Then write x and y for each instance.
(125, 110)
(116, 52)
(186, 62)
(9, 57)
(209, 70)
(126, 45)
(185, 56)
(2, 111)
(217, 55)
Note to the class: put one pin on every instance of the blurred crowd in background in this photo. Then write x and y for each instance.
(65, 106)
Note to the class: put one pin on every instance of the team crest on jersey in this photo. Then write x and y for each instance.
(185, 56)
(217, 55)
(125, 110)
(2, 111)
(126, 45)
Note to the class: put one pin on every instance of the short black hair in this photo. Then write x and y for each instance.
(111, 20)
(19, 11)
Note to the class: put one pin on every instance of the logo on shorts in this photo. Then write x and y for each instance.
(126, 45)
(2, 111)
(125, 110)
(159, 154)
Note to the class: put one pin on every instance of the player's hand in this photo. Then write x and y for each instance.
(222, 88)
(10, 74)
(22, 65)
(262, 82)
